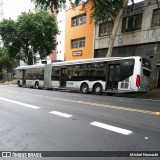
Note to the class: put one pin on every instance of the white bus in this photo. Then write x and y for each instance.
(98, 75)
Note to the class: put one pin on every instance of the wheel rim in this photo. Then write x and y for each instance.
(84, 89)
(97, 89)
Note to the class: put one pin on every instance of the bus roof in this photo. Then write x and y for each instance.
(92, 60)
(31, 66)
(78, 62)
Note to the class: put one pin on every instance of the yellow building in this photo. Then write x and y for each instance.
(79, 33)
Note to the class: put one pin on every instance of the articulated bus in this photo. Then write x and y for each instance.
(98, 75)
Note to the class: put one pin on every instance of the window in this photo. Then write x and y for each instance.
(56, 73)
(78, 43)
(76, 21)
(156, 18)
(105, 28)
(132, 23)
(32, 77)
(44, 62)
(127, 67)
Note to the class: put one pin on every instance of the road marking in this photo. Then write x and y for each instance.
(61, 114)
(94, 104)
(112, 128)
(106, 106)
(20, 103)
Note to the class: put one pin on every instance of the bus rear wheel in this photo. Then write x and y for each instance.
(37, 85)
(97, 89)
(85, 88)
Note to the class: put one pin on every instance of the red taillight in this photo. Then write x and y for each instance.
(138, 81)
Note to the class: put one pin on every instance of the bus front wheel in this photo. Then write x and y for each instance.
(85, 88)
(97, 89)
(19, 84)
(37, 85)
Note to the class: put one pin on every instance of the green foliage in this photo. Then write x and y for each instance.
(101, 9)
(45, 4)
(37, 31)
(4, 58)
(8, 33)
(31, 30)
(6, 62)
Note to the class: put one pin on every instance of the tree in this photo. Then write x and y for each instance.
(31, 33)
(6, 62)
(102, 10)
(8, 33)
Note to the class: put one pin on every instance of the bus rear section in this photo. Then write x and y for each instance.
(138, 76)
(111, 75)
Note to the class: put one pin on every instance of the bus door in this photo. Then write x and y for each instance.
(23, 77)
(113, 76)
(63, 77)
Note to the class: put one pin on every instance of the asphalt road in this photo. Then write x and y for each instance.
(47, 120)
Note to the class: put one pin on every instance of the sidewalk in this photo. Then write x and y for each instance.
(5, 82)
(153, 94)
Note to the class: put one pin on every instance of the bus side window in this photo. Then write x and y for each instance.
(41, 77)
(56, 73)
(127, 68)
(70, 70)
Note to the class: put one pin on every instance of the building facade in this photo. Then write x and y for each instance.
(138, 35)
(61, 22)
(79, 31)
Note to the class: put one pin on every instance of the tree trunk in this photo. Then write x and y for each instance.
(115, 28)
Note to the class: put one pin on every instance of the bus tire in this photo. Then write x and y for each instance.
(19, 84)
(84, 88)
(97, 89)
(37, 85)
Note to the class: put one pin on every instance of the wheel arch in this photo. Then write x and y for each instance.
(83, 83)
